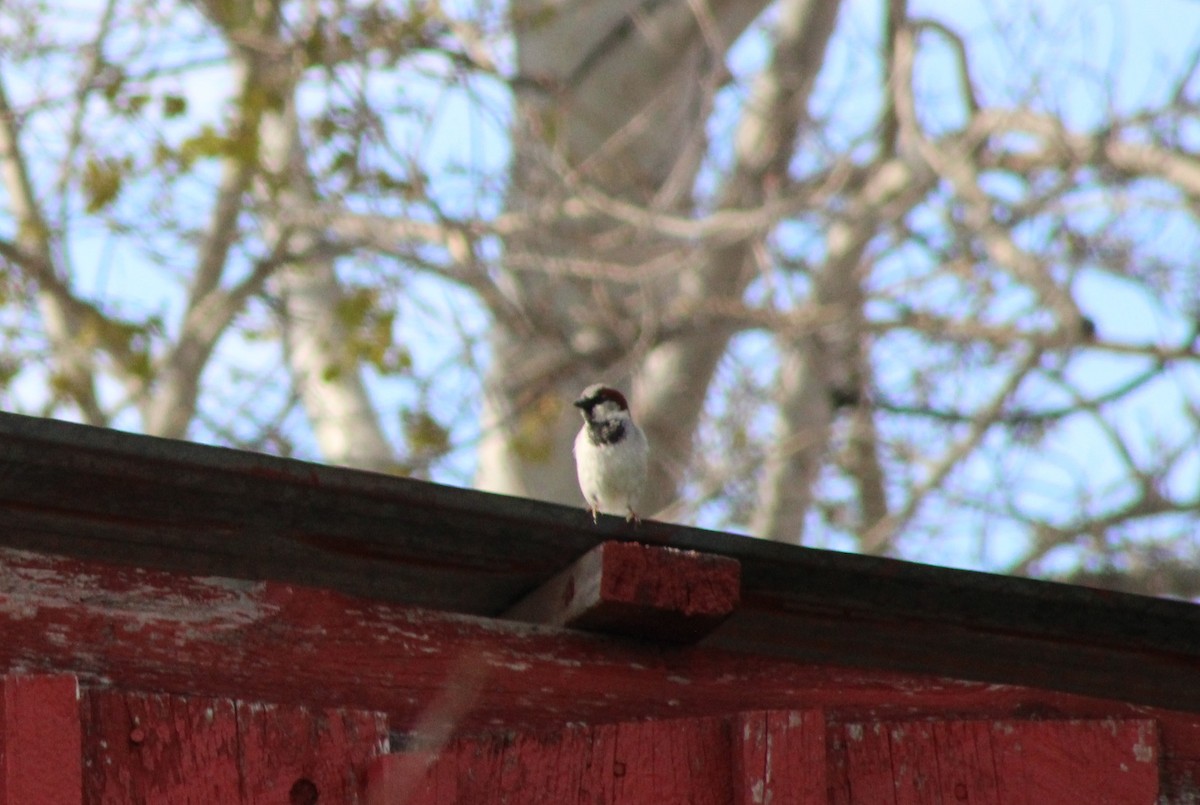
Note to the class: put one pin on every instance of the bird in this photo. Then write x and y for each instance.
(611, 453)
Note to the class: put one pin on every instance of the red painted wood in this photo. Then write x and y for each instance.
(155, 503)
(177, 750)
(1179, 741)
(998, 763)
(218, 638)
(678, 760)
(260, 641)
(395, 780)
(868, 763)
(640, 590)
(757, 757)
(288, 749)
(1051, 762)
(156, 748)
(779, 758)
(39, 741)
(915, 771)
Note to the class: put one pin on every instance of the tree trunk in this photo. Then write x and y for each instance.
(316, 342)
(613, 96)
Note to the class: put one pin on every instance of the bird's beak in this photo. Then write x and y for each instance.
(581, 403)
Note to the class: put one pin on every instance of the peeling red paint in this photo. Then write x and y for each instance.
(248, 689)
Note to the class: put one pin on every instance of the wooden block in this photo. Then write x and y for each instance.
(40, 760)
(636, 590)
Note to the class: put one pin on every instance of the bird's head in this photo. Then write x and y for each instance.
(599, 402)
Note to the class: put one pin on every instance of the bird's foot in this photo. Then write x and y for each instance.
(632, 517)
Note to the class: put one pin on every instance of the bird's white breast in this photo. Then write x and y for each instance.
(612, 475)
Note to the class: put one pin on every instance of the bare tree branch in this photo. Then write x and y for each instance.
(83, 91)
(622, 117)
(889, 127)
(209, 310)
(881, 537)
(804, 413)
(675, 372)
(61, 311)
(1065, 149)
(834, 362)
(804, 287)
(329, 380)
(954, 161)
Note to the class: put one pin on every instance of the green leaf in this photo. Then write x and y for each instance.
(163, 155)
(424, 434)
(371, 326)
(325, 127)
(206, 143)
(113, 79)
(353, 308)
(10, 367)
(131, 105)
(102, 179)
(173, 106)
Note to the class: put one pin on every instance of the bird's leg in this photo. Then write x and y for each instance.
(632, 517)
(594, 508)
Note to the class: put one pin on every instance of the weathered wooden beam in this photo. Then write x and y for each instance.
(153, 631)
(138, 630)
(163, 505)
(646, 591)
(40, 740)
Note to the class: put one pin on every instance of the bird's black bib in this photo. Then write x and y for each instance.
(610, 431)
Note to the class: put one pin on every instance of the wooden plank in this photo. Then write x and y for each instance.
(1103, 762)
(869, 765)
(915, 768)
(965, 758)
(299, 756)
(676, 760)
(158, 504)
(174, 750)
(401, 778)
(155, 748)
(1179, 744)
(992, 762)
(219, 638)
(40, 740)
(597, 781)
(637, 590)
(779, 757)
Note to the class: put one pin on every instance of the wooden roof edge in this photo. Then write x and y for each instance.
(131, 499)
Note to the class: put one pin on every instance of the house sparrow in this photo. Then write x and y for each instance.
(610, 453)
